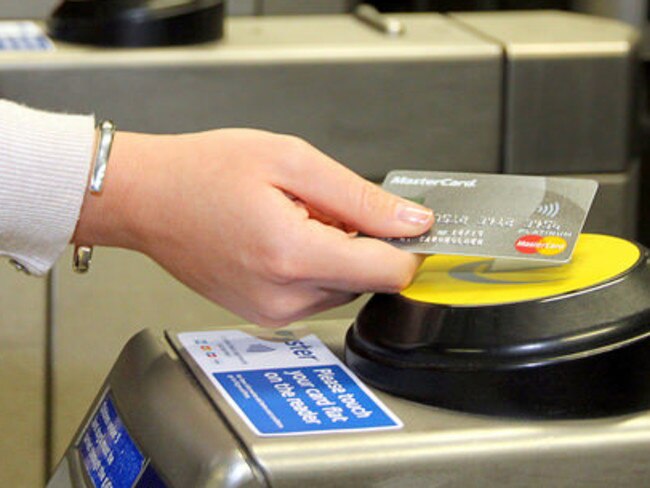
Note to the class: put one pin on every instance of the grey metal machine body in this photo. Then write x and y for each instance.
(194, 438)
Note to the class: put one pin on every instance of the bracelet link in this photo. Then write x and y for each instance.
(106, 135)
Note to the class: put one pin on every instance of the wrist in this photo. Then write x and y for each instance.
(110, 217)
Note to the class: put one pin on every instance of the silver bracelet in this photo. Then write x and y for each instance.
(106, 133)
(83, 254)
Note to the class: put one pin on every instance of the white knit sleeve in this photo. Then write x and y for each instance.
(44, 166)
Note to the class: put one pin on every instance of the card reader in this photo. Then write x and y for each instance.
(248, 407)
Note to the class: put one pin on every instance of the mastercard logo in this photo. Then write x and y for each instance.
(534, 244)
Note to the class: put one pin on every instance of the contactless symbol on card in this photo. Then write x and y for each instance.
(501, 216)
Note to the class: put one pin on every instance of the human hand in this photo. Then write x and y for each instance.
(263, 224)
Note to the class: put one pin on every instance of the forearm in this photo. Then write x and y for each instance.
(44, 164)
(111, 218)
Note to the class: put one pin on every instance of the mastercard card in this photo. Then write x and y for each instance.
(533, 218)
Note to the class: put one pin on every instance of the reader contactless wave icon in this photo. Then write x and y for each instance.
(550, 210)
(258, 347)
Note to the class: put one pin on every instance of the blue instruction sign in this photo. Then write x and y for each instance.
(288, 385)
(299, 400)
(108, 453)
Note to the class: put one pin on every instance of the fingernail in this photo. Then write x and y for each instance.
(414, 215)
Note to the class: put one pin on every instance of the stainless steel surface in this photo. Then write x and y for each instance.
(62, 477)
(192, 446)
(383, 23)
(444, 448)
(161, 402)
(570, 90)
(171, 421)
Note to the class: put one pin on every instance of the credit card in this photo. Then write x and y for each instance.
(534, 218)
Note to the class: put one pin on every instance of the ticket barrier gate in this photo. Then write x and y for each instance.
(548, 384)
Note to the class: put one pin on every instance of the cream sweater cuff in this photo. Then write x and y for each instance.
(44, 167)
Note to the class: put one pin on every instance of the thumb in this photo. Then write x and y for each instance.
(334, 190)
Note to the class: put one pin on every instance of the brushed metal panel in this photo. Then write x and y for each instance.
(371, 117)
(570, 90)
(371, 102)
(22, 379)
(96, 315)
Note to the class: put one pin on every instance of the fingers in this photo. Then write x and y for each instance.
(316, 214)
(334, 190)
(334, 259)
(371, 267)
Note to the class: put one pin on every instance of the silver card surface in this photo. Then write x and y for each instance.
(501, 216)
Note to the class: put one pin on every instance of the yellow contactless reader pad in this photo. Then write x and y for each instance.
(472, 281)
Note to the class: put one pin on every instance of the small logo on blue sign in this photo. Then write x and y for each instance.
(259, 347)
